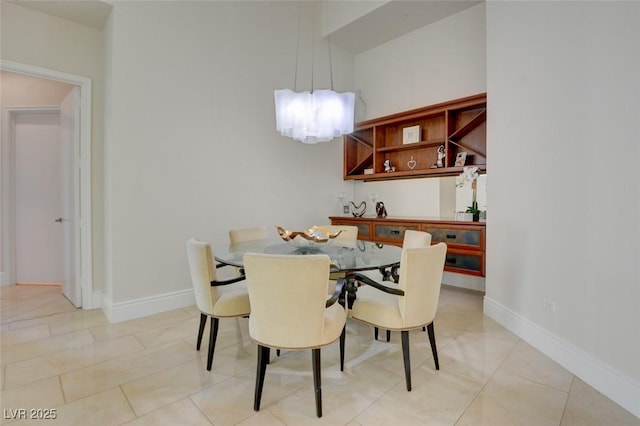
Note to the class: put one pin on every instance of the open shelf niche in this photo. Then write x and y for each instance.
(410, 140)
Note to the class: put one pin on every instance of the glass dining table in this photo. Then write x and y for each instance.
(360, 255)
(345, 257)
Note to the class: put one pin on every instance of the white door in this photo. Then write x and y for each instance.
(39, 244)
(69, 216)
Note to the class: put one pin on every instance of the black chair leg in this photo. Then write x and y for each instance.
(432, 340)
(203, 322)
(212, 341)
(317, 385)
(277, 352)
(375, 334)
(263, 358)
(407, 361)
(342, 339)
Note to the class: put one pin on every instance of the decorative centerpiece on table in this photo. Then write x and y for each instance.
(470, 175)
(312, 237)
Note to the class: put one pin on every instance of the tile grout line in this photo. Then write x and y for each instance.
(484, 385)
(566, 402)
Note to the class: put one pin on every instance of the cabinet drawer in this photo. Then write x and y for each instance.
(392, 232)
(468, 237)
(465, 262)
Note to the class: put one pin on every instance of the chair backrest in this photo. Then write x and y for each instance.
(420, 279)
(203, 271)
(247, 234)
(288, 299)
(415, 239)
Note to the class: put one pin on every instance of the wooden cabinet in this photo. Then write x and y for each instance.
(465, 240)
(410, 141)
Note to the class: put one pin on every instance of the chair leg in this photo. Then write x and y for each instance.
(388, 335)
(407, 361)
(203, 322)
(342, 339)
(432, 340)
(263, 358)
(317, 381)
(375, 333)
(212, 341)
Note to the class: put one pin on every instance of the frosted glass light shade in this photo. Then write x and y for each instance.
(312, 117)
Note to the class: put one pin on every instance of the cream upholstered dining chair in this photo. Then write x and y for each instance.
(348, 236)
(409, 305)
(215, 299)
(290, 310)
(247, 234)
(411, 239)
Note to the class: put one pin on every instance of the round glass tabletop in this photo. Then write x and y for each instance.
(360, 256)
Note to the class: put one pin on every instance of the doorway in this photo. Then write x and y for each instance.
(79, 248)
(37, 149)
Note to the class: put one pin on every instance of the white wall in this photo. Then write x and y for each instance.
(564, 192)
(437, 63)
(191, 143)
(34, 38)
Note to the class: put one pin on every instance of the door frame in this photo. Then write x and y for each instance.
(83, 253)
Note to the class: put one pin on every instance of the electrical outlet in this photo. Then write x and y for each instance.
(549, 305)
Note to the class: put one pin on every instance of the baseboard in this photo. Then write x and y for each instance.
(470, 282)
(621, 389)
(138, 308)
(96, 300)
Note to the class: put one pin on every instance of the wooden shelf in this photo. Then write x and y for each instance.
(457, 126)
(464, 130)
(410, 146)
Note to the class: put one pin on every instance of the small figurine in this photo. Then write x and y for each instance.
(439, 162)
(440, 156)
(359, 210)
(388, 167)
(381, 209)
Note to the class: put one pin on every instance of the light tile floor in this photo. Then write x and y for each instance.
(147, 372)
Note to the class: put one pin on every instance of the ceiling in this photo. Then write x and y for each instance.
(92, 13)
(392, 19)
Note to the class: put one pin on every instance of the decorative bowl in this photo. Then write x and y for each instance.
(312, 237)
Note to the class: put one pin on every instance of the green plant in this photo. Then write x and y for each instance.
(473, 208)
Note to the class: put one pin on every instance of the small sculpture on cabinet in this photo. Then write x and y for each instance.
(388, 167)
(359, 210)
(439, 162)
(381, 210)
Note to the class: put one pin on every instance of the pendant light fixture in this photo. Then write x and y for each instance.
(316, 115)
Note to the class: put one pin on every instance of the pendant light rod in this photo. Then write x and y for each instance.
(295, 75)
(316, 115)
(329, 43)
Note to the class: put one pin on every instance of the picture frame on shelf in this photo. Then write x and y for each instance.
(461, 158)
(410, 134)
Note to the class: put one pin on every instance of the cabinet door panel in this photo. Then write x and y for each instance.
(469, 237)
(464, 262)
(392, 232)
